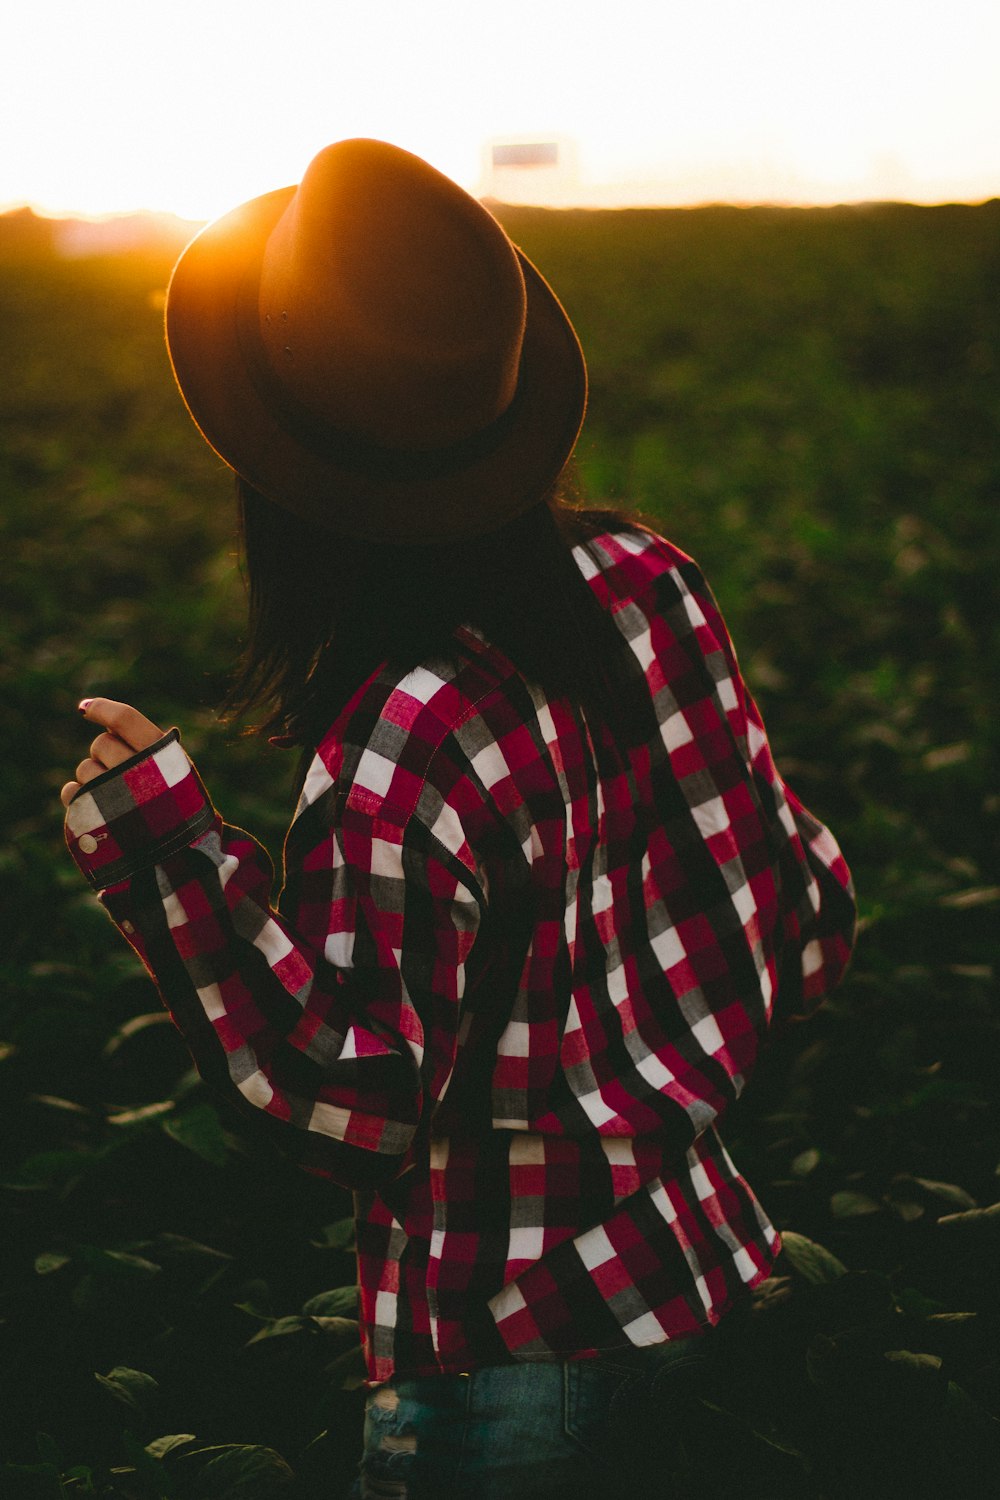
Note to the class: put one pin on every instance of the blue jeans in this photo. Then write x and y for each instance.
(510, 1432)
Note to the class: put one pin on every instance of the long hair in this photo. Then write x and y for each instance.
(326, 611)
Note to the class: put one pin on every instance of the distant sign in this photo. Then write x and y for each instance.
(532, 154)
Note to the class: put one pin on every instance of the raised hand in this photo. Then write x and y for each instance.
(124, 731)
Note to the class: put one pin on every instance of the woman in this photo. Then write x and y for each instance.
(544, 889)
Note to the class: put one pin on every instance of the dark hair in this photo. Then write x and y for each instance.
(326, 611)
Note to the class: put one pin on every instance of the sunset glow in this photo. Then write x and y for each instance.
(192, 107)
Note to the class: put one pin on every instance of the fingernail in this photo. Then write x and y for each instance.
(83, 705)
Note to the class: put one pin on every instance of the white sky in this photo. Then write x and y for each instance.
(195, 105)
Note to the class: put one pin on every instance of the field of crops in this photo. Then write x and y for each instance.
(809, 403)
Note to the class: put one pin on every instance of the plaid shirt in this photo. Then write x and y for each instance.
(513, 979)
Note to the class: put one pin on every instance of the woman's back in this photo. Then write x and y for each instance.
(618, 920)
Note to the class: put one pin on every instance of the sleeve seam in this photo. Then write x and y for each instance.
(127, 867)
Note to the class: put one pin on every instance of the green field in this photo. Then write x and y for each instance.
(808, 401)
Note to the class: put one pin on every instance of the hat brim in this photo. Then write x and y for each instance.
(246, 432)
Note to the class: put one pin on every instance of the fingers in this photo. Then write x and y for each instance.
(124, 723)
(85, 771)
(125, 730)
(88, 769)
(108, 750)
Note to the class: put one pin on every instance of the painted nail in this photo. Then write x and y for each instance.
(83, 705)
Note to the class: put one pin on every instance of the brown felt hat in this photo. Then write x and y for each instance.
(371, 351)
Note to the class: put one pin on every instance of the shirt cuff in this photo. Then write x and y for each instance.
(138, 813)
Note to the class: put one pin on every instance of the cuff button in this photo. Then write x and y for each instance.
(128, 927)
(88, 844)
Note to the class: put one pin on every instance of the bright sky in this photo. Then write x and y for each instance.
(195, 105)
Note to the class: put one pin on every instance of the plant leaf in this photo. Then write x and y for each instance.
(68, 1106)
(199, 1129)
(912, 1361)
(339, 1236)
(142, 1114)
(133, 1026)
(51, 1260)
(983, 1221)
(813, 1262)
(849, 1205)
(161, 1446)
(984, 895)
(133, 1388)
(906, 1209)
(342, 1302)
(280, 1327)
(117, 1262)
(239, 1472)
(948, 1192)
(179, 1244)
(337, 1327)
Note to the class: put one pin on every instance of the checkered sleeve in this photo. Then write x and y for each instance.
(337, 1024)
(818, 902)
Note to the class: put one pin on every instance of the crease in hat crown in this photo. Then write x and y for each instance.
(376, 308)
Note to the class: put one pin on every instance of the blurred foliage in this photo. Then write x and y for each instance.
(808, 402)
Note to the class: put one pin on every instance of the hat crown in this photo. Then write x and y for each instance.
(391, 304)
(370, 351)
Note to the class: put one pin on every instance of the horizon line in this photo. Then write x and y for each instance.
(103, 216)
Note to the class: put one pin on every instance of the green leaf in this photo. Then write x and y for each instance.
(280, 1328)
(906, 1209)
(337, 1327)
(916, 1304)
(67, 1106)
(961, 1405)
(945, 1192)
(149, 1467)
(342, 1302)
(133, 1026)
(237, 1472)
(161, 1446)
(921, 1363)
(813, 1262)
(986, 895)
(807, 1161)
(179, 1244)
(253, 1311)
(199, 1129)
(49, 1261)
(143, 1114)
(848, 1205)
(981, 1222)
(133, 1388)
(339, 1236)
(117, 1263)
(85, 1474)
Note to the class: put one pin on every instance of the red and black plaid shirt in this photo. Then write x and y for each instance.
(513, 980)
